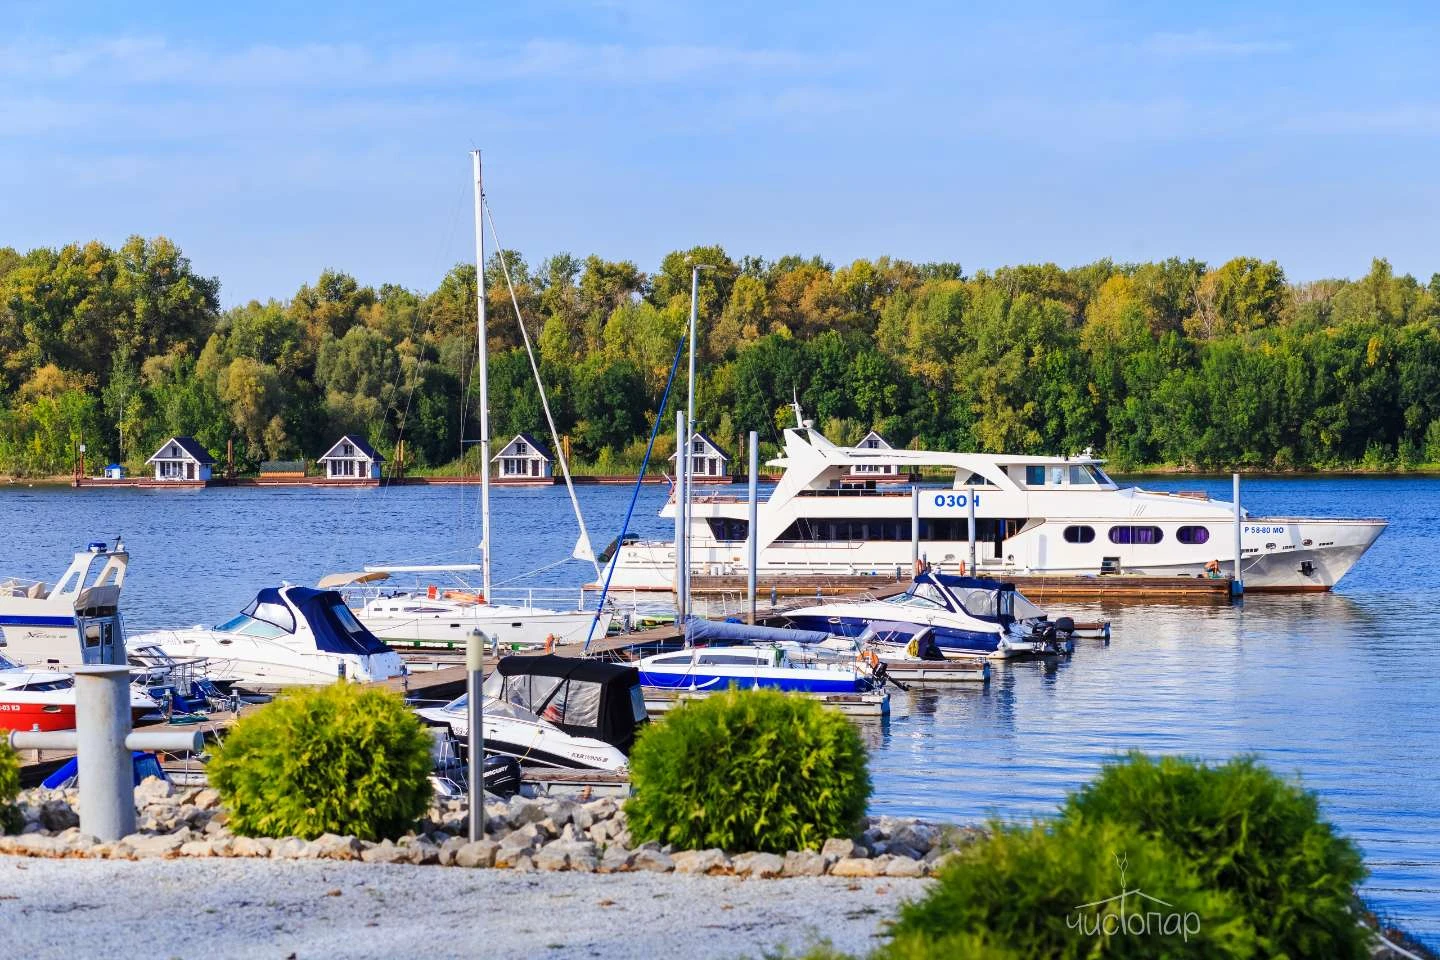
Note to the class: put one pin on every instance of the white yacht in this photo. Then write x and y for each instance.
(1034, 515)
(75, 621)
(446, 613)
(286, 636)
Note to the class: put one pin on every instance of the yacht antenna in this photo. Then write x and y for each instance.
(795, 405)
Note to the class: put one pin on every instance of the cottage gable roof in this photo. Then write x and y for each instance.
(366, 451)
(715, 448)
(189, 446)
(874, 441)
(535, 446)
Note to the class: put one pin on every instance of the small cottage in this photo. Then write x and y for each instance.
(873, 441)
(351, 459)
(523, 458)
(707, 460)
(182, 460)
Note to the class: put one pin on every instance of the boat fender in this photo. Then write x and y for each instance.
(912, 649)
(550, 643)
(431, 592)
(962, 568)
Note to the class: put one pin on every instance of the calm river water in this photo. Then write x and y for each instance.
(1334, 688)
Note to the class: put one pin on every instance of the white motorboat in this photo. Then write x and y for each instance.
(964, 616)
(426, 614)
(72, 623)
(45, 699)
(552, 711)
(1033, 515)
(286, 636)
(718, 656)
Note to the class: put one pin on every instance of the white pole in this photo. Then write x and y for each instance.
(752, 538)
(690, 427)
(474, 647)
(1237, 586)
(970, 516)
(914, 529)
(680, 559)
(102, 721)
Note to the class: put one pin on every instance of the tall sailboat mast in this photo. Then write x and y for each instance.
(475, 649)
(483, 367)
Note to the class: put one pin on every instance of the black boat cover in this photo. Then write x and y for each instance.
(583, 697)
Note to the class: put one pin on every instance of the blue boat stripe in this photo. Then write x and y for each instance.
(16, 620)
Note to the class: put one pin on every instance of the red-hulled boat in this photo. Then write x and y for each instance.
(45, 699)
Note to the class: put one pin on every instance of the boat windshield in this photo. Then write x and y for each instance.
(920, 595)
(261, 619)
(8, 664)
(978, 602)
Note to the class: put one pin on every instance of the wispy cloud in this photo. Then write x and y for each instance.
(1204, 43)
(142, 61)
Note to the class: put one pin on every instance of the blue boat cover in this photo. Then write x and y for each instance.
(698, 630)
(967, 583)
(335, 627)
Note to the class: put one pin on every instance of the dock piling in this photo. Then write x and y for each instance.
(752, 540)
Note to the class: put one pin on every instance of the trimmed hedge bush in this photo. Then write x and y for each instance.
(9, 788)
(748, 770)
(337, 759)
(1058, 890)
(1250, 835)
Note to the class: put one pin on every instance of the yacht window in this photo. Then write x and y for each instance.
(92, 635)
(920, 595)
(976, 480)
(1102, 476)
(977, 602)
(731, 659)
(673, 658)
(637, 704)
(250, 627)
(1079, 534)
(1057, 475)
(1193, 534)
(1136, 534)
(346, 617)
(726, 529)
(8, 664)
(272, 613)
(1082, 476)
(1035, 476)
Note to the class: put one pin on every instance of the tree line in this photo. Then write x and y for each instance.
(1173, 363)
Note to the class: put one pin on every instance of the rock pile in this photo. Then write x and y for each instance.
(522, 834)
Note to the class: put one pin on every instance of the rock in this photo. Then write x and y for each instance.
(56, 815)
(36, 845)
(332, 846)
(207, 799)
(153, 790)
(422, 852)
(449, 848)
(804, 863)
(511, 856)
(524, 864)
(553, 856)
(289, 848)
(161, 845)
(905, 867)
(616, 860)
(599, 831)
(759, 865)
(837, 848)
(385, 852)
(523, 810)
(222, 846)
(583, 864)
(897, 849)
(562, 812)
(917, 836)
(197, 848)
(529, 835)
(478, 854)
(710, 861)
(855, 867)
(32, 826)
(251, 847)
(651, 859)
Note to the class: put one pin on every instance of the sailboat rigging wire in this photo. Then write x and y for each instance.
(544, 401)
(635, 495)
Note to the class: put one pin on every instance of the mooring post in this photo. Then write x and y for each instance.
(1237, 584)
(107, 777)
(475, 715)
(752, 538)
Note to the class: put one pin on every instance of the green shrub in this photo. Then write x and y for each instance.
(1250, 835)
(748, 770)
(337, 759)
(9, 787)
(1056, 891)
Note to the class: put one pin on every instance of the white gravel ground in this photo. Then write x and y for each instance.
(257, 908)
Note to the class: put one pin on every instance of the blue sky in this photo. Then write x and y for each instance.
(271, 144)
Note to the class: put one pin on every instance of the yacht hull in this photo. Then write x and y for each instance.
(524, 627)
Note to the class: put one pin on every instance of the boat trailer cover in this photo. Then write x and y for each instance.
(698, 630)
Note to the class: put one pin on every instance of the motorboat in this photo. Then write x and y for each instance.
(552, 711)
(1035, 515)
(76, 622)
(286, 636)
(447, 613)
(33, 699)
(963, 616)
(723, 655)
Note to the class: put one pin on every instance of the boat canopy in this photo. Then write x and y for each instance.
(698, 630)
(333, 625)
(585, 698)
(965, 583)
(334, 581)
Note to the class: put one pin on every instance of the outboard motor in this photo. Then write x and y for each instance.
(1065, 626)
